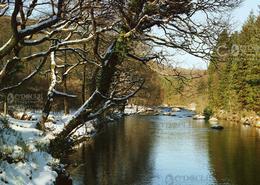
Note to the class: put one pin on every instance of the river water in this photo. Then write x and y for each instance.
(167, 150)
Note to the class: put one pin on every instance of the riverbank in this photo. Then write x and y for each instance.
(24, 156)
(245, 118)
(24, 150)
(154, 110)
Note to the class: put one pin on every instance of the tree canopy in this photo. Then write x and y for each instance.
(234, 79)
(102, 35)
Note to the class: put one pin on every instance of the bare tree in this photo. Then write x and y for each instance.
(112, 28)
(135, 21)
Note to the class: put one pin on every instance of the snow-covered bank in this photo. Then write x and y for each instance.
(151, 110)
(134, 109)
(24, 157)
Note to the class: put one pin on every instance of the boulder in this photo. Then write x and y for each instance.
(198, 117)
(217, 127)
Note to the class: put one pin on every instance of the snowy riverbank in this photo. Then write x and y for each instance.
(24, 157)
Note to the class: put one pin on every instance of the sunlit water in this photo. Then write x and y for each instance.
(164, 150)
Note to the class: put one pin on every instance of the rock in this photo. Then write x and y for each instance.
(198, 117)
(175, 109)
(18, 115)
(166, 113)
(27, 117)
(247, 121)
(50, 119)
(217, 127)
(213, 119)
(21, 116)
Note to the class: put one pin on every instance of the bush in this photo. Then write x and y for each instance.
(4, 122)
(207, 113)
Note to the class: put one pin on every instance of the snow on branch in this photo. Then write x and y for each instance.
(62, 94)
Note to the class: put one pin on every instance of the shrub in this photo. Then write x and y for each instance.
(4, 122)
(207, 113)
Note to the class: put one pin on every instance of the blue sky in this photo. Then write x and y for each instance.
(239, 16)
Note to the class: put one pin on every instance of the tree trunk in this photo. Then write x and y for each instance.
(95, 102)
(45, 113)
(83, 87)
(92, 85)
(5, 105)
(65, 100)
(50, 96)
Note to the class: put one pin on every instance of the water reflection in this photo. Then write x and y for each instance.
(234, 155)
(164, 150)
(121, 155)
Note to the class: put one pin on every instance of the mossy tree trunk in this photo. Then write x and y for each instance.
(96, 100)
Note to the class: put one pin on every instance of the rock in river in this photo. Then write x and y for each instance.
(213, 120)
(199, 117)
(217, 127)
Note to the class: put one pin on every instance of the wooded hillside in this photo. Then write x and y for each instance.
(169, 86)
(234, 71)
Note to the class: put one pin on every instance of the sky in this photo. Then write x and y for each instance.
(239, 16)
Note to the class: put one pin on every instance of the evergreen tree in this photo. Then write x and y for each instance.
(234, 79)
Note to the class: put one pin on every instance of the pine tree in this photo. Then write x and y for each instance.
(217, 63)
(234, 79)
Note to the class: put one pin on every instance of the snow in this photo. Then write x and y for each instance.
(23, 123)
(23, 148)
(29, 165)
(34, 171)
(20, 142)
(199, 117)
(134, 109)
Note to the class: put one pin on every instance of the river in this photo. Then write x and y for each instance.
(167, 150)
